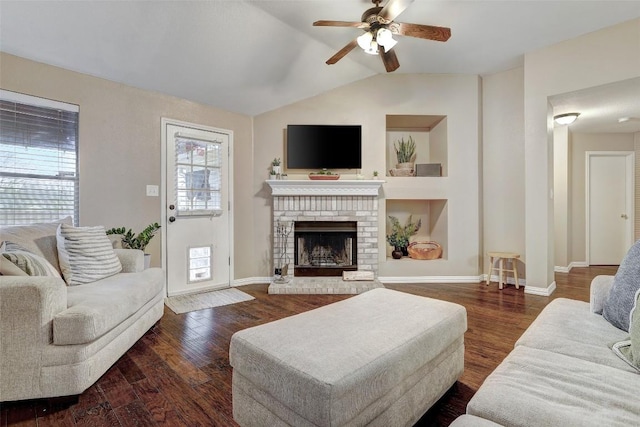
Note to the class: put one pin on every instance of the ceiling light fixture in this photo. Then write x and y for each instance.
(385, 39)
(566, 119)
(370, 41)
(365, 40)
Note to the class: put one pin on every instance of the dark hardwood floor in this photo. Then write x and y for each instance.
(178, 374)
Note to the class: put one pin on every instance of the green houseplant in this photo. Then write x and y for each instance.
(132, 241)
(400, 234)
(275, 166)
(405, 152)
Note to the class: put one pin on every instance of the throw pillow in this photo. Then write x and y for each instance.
(629, 350)
(85, 254)
(26, 262)
(39, 238)
(617, 308)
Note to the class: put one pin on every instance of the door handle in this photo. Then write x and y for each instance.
(624, 216)
(172, 219)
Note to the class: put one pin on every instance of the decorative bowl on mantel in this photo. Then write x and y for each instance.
(324, 177)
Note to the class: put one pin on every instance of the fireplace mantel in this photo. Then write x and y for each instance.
(340, 187)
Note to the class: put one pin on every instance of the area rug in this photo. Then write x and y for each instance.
(192, 302)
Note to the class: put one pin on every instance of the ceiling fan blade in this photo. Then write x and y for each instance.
(325, 23)
(393, 8)
(342, 52)
(429, 32)
(390, 61)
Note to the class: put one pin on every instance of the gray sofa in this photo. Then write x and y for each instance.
(57, 340)
(562, 372)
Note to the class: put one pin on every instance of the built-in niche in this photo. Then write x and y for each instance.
(429, 133)
(433, 215)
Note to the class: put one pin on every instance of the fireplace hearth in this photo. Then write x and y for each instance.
(325, 248)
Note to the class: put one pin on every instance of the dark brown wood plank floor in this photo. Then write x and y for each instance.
(178, 374)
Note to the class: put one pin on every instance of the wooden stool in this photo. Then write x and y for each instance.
(509, 256)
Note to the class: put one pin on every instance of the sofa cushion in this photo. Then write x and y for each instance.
(533, 387)
(39, 239)
(629, 350)
(568, 327)
(86, 254)
(617, 308)
(95, 308)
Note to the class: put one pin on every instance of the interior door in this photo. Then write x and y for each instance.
(198, 219)
(610, 207)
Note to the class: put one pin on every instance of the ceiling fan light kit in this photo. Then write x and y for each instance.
(385, 39)
(379, 29)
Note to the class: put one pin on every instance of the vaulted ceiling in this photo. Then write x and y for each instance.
(254, 56)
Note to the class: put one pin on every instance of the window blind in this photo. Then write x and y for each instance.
(38, 159)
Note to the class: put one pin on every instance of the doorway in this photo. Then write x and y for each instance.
(609, 206)
(197, 238)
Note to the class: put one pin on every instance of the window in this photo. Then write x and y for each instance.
(198, 176)
(38, 159)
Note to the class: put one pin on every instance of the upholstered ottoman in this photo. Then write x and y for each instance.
(381, 358)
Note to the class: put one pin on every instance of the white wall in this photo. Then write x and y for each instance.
(561, 196)
(438, 145)
(605, 56)
(636, 145)
(119, 147)
(503, 163)
(456, 96)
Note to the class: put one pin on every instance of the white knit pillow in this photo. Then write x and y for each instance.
(85, 254)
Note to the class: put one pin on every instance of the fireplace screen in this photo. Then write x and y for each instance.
(325, 248)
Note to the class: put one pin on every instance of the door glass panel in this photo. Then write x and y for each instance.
(198, 177)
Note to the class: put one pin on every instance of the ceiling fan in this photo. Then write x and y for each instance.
(380, 28)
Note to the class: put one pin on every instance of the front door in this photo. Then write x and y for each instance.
(198, 238)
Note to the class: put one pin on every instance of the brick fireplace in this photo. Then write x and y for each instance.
(341, 201)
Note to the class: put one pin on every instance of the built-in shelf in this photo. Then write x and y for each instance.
(429, 132)
(433, 214)
(340, 187)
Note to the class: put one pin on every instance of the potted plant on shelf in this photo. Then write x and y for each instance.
(275, 166)
(406, 156)
(132, 241)
(399, 236)
(375, 174)
(324, 174)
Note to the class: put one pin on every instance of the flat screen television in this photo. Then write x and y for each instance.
(324, 147)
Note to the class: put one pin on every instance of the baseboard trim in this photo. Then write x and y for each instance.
(418, 279)
(509, 281)
(431, 279)
(398, 279)
(561, 269)
(544, 292)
